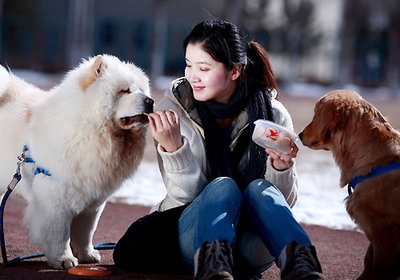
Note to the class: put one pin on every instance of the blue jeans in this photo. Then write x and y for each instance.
(214, 215)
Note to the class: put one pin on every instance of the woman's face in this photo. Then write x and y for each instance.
(210, 80)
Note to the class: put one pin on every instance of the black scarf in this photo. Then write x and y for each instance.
(222, 160)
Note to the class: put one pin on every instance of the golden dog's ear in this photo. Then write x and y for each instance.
(342, 116)
(343, 111)
(333, 116)
(317, 134)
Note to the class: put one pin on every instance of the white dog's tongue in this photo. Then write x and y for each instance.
(133, 121)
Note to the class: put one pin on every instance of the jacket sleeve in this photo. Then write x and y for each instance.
(183, 170)
(285, 180)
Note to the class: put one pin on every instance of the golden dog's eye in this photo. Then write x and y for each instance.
(125, 91)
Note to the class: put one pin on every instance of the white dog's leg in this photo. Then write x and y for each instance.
(60, 258)
(82, 230)
(49, 227)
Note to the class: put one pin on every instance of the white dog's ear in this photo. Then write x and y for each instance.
(98, 67)
(96, 70)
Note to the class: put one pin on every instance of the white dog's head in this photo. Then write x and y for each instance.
(113, 89)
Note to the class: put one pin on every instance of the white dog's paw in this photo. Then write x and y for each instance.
(93, 256)
(63, 262)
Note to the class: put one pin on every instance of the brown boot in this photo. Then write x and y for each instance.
(299, 262)
(214, 261)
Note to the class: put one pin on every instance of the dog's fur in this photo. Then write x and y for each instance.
(89, 133)
(360, 138)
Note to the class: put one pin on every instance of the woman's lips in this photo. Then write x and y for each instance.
(198, 88)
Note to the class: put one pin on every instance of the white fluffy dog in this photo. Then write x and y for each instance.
(84, 138)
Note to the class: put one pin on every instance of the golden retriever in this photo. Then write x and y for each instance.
(367, 150)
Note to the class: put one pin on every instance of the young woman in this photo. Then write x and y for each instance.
(228, 199)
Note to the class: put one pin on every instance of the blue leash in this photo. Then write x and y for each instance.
(2, 243)
(99, 246)
(16, 178)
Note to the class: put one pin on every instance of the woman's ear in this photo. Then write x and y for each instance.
(236, 71)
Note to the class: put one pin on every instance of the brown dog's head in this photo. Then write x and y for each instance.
(350, 127)
(332, 113)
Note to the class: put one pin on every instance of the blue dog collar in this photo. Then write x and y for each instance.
(375, 172)
(39, 170)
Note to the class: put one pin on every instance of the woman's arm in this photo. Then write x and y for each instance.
(281, 167)
(182, 165)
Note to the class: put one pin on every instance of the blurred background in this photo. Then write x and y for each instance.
(327, 42)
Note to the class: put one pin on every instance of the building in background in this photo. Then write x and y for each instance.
(323, 41)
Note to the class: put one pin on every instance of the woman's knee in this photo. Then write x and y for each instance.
(256, 187)
(265, 190)
(223, 187)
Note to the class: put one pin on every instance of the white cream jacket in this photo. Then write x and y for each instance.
(184, 171)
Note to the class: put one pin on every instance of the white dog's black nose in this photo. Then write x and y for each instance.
(148, 105)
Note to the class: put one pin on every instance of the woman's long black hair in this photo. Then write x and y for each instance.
(224, 42)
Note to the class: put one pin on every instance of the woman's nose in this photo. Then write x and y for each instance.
(193, 77)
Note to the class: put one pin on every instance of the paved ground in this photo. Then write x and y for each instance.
(340, 252)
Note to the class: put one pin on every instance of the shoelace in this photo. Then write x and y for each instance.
(217, 258)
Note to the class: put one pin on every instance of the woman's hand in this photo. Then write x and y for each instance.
(165, 129)
(281, 161)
